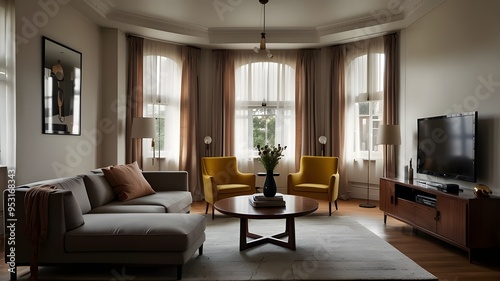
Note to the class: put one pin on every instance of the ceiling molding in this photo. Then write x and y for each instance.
(102, 7)
(163, 25)
(230, 35)
(366, 23)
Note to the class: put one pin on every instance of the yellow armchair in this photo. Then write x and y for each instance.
(318, 178)
(221, 179)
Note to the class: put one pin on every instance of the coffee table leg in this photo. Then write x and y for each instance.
(289, 231)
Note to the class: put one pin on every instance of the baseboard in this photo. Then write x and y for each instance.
(358, 190)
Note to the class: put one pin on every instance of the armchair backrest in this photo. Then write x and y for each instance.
(223, 169)
(318, 169)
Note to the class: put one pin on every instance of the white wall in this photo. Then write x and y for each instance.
(41, 156)
(447, 56)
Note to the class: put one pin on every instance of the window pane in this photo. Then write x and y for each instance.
(264, 126)
(377, 108)
(364, 108)
(363, 133)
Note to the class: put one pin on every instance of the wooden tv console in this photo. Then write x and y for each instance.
(462, 219)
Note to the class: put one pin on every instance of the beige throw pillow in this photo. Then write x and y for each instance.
(127, 181)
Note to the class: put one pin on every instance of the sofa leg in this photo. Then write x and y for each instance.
(200, 250)
(329, 209)
(213, 212)
(206, 209)
(179, 272)
(336, 207)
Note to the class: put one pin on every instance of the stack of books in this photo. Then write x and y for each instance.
(259, 200)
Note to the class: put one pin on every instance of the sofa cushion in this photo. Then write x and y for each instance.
(77, 186)
(99, 190)
(73, 184)
(136, 233)
(73, 217)
(127, 181)
(170, 201)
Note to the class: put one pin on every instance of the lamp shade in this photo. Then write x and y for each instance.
(143, 127)
(389, 134)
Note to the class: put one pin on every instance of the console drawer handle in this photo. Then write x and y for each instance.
(436, 218)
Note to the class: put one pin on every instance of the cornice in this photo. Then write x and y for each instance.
(163, 25)
(366, 22)
(102, 7)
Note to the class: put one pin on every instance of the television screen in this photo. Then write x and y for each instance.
(447, 146)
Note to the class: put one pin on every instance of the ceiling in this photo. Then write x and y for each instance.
(237, 24)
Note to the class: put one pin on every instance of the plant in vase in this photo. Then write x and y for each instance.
(269, 157)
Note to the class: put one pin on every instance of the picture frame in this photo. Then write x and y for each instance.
(61, 89)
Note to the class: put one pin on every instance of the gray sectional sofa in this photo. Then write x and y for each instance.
(87, 225)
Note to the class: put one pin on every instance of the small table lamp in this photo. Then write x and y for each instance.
(388, 135)
(322, 140)
(144, 128)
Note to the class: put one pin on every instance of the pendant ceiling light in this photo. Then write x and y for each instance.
(263, 34)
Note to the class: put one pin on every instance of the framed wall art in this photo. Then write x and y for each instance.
(62, 84)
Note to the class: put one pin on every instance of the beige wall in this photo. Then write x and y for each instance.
(42, 156)
(447, 57)
(113, 98)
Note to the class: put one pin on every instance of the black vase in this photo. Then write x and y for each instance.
(269, 189)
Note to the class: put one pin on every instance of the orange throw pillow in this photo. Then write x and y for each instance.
(127, 181)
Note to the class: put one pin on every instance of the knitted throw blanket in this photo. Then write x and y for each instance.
(36, 202)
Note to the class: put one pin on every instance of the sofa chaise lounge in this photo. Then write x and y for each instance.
(88, 225)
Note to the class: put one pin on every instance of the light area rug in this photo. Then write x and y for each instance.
(328, 248)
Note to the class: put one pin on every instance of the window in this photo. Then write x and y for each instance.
(365, 81)
(161, 84)
(7, 85)
(264, 125)
(264, 107)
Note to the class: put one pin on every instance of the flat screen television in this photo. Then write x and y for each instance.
(447, 146)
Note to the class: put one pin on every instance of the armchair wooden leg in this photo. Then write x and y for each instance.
(206, 209)
(179, 272)
(213, 216)
(336, 207)
(329, 209)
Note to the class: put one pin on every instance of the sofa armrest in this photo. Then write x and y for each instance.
(52, 249)
(167, 180)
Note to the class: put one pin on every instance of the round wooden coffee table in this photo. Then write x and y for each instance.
(240, 207)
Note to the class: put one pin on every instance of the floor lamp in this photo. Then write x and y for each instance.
(145, 128)
(368, 204)
(322, 140)
(388, 135)
(207, 140)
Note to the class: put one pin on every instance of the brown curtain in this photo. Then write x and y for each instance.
(222, 110)
(306, 105)
(338, 115)
(190, 146)
(391, 85)
(134, 98)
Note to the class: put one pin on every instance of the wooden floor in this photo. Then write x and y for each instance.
(446, 262)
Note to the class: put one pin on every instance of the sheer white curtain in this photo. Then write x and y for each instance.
(162, 91)
(364, 97)
(262, 84)
(7, 84)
